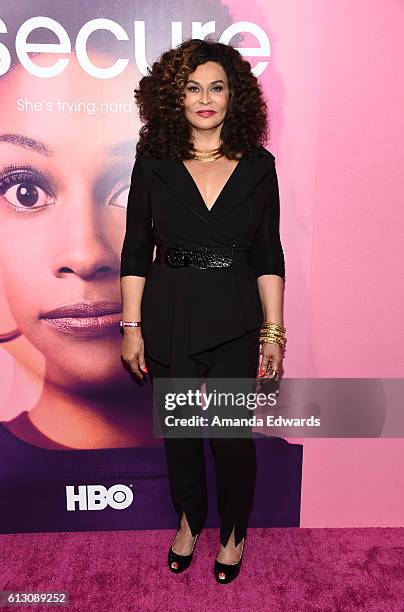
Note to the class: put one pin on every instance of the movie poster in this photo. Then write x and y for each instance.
(77, 450)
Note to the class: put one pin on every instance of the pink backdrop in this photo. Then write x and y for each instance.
(337, 96)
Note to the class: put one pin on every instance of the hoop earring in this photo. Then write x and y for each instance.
(10, 335)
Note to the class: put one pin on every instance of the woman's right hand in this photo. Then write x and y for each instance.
(133, 351)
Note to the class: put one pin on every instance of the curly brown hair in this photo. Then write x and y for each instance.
(166, 133)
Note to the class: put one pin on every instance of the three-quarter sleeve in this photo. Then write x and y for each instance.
(267, 254)
(138, 244)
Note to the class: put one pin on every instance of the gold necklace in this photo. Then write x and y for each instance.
(206, 156)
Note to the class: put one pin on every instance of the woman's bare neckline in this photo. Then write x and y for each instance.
(207, 167)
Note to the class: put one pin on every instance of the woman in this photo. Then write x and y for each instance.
(204, 190)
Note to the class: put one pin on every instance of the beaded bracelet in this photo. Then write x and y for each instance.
(130, 323)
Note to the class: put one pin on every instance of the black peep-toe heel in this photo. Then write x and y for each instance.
(226, 572)
(178, 563)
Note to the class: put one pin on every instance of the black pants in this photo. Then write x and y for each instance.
(234, 458)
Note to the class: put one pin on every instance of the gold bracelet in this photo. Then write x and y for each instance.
(274, 325)
(273, 332)
(273, 340)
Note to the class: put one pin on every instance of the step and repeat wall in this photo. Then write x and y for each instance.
(77, 450)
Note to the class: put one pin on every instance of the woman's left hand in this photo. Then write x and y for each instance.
(271, 356)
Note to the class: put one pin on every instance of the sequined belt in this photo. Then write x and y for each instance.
(202, 257)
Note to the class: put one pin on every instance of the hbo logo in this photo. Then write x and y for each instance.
(98, 497)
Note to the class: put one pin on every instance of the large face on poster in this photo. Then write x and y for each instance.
(76, 427)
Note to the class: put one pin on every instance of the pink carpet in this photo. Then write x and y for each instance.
(284, 569)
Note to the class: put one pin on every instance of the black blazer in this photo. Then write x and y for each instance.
(202, 307)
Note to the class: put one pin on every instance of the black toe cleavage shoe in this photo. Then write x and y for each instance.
(178, 563)
(226, 572)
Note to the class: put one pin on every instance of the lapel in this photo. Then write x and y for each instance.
(245, 177)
